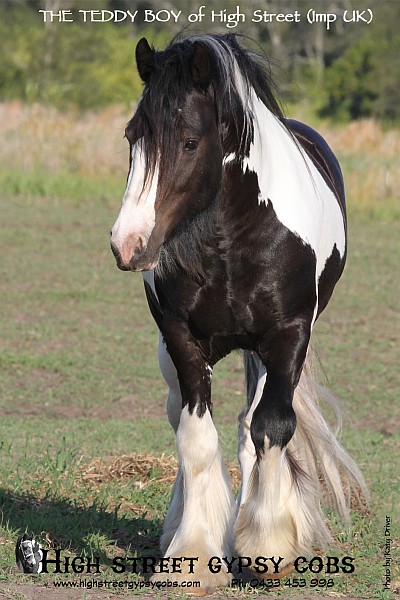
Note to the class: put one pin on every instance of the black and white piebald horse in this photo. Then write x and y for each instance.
(236, 217)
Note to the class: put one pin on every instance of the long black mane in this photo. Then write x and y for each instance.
(236, 70)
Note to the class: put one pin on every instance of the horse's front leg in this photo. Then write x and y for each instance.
(199, 520)
(274, 518)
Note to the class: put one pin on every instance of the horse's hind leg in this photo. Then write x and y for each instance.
(199, 520)
(256, 374)
(174, 409)
(277, 499)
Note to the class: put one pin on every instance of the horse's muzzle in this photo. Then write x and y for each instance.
(138, 260)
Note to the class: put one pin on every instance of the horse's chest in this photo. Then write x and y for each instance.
(218, 309)
(258, 275)
(236, 305)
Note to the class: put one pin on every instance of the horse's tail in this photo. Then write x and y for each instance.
(320, 467)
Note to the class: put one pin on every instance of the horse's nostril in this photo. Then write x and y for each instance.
(140, 245)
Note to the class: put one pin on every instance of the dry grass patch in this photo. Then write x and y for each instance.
(370, 160)
(36, 136)
(144, 468)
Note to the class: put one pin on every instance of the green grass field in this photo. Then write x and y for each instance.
(80, 387)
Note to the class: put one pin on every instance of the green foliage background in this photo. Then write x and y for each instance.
(349, 71)
(364, 79)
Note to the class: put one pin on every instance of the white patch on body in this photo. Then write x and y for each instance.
(287, 177)
(137, 215)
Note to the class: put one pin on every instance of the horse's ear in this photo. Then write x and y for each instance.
(144, 59)
(201, 66)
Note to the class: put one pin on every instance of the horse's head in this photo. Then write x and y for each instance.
(175, 152)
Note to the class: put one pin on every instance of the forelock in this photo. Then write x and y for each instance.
(236, 70)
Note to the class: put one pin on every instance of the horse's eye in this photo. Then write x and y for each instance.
(191, 145)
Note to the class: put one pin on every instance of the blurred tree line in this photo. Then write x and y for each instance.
(348, 71)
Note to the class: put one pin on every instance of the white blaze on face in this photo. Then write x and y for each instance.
(136, 219)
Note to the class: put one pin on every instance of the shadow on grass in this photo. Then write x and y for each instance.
(89, 531)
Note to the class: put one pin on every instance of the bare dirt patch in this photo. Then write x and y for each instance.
(125, 408)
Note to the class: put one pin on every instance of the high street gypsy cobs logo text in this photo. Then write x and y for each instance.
(33, 559)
